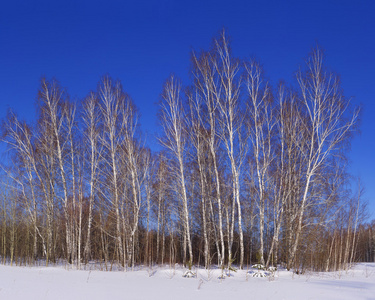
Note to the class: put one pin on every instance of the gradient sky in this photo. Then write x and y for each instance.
(142, 42)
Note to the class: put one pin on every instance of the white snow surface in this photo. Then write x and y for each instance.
(169, 283)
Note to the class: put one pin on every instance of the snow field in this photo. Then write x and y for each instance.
(169, 283)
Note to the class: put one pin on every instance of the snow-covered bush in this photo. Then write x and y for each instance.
(262, 271)
(189, 274)
(258, 266)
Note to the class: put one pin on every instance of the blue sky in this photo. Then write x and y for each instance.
(142, 42)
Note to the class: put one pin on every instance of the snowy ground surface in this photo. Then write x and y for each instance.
(166, 283)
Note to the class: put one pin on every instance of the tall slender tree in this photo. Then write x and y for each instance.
(173, 122)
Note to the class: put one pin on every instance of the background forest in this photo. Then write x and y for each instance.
(247, 173)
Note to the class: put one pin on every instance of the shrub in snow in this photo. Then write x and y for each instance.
(233, 269)
(272, 269)
(262, 271)
(258, 266)
(189, 274)
(226, 273)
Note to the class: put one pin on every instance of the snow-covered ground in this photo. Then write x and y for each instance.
(166, 283)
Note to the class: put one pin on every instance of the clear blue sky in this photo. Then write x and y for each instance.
(142, 42)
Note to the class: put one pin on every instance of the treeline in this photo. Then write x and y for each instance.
(248, 173)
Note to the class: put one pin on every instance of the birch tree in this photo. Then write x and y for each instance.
(54, 110)
(230, 132)
(198, 141)
(91, 133)
(260, 128)
(173, 123)
(19, 137)
(329, 124)
(207, 92)
(112, 105)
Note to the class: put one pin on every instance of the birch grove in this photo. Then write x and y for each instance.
(244, 173)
